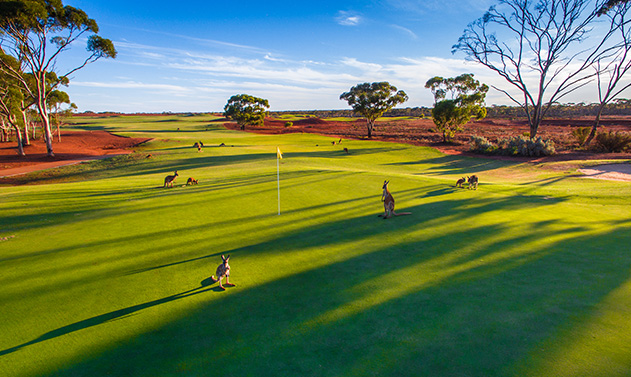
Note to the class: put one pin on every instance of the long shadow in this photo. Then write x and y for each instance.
(475, 323)
(111, 316)
(458, 165)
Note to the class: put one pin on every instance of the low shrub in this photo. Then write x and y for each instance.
(613, 142)
(289, 124)
(580, 134)
(525, 146)
(480, 144)
(513, 146)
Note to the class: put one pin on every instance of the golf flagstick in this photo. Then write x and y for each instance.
(279, 156)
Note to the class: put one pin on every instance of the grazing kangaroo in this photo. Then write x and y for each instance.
(460, 182)
(191, 181)
(473, 182)
(388, 203)
(168, 180)
(223, 270)
(346, 150)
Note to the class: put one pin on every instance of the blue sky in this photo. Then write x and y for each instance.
(299, 55)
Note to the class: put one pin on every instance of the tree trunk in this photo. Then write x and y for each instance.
(592, 133)
(18, 134)
(26, 139)
(48, 135)
(370, 124)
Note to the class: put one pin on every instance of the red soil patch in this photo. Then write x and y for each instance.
(75, 146)
(422, 132)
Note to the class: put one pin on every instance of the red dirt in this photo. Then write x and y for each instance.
(75, 146)
(421, 132)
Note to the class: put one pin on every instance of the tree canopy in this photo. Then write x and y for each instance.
(466, 101)
(246, 109)
(372, 100)
(35, 33)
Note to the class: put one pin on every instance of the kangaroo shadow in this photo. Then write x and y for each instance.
(114, 315)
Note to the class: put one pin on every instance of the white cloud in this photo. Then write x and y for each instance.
(405, 30)
(348, 18)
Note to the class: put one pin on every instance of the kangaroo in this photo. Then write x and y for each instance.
(460, 182)
(473, 182)
(191, 181)
(223, 270)
(388, 203)
(168, 180)
(346, 150)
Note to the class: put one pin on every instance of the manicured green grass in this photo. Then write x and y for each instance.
(108, 273)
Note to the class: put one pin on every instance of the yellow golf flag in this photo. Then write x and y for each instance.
(278, 153)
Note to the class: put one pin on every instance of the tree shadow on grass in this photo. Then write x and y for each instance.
(457, 164)
(465, 316)
(477, 320)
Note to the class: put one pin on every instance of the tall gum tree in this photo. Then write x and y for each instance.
(372, 100)
(36, 33)
(544, 49)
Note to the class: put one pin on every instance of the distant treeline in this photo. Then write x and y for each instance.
(619, 107)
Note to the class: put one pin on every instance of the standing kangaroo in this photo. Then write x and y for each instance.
(460, 182)
(168, 180)
(223, 270)
(388, 203)
(473, 182)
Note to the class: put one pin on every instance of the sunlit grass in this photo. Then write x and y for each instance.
(528, 275)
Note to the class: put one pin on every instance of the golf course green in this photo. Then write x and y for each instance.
(104, 272)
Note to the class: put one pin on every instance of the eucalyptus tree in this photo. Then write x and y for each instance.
(11, 99)
(372, 100)
(538, 48)
(36, 33)
(456, 101)
(246, 110)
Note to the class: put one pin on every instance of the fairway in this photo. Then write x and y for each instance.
(106, 273)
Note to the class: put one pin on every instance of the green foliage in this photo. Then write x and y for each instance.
(580, 134)
(525, 146)
(36, 33)
(514, 146)
(372, 100)
(289, 124)
(479, 144)
(466, 101)
(101, 47)
(246, 110)
(613, 142)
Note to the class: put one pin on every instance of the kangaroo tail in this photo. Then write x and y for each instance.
(402, 213)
